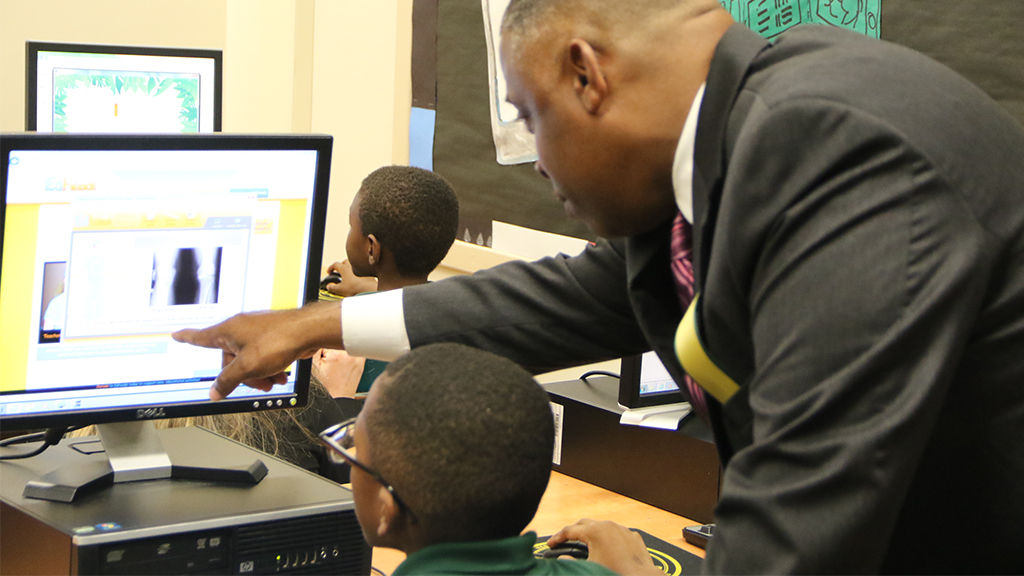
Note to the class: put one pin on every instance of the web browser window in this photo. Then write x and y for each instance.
(125, 247)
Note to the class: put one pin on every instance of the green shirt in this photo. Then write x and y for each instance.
(508, 556)
(371, 370)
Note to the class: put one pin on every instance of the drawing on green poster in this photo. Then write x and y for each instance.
(124, 101)
(770, 18)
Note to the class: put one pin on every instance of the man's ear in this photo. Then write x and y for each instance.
(589, 81)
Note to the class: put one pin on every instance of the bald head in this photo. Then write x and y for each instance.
(525, 19)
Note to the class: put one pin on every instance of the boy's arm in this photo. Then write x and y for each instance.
(257, 347)
(339, 372)
(350, 284)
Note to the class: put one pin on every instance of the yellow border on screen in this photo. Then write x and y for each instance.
(21, 223)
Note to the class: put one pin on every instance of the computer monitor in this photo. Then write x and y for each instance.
(644, 382)
(112, 242)
(122, 89)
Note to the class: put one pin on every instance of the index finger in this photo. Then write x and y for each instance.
(195, 337)
(570, 532)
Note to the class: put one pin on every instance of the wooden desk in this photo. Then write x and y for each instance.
(567, 500)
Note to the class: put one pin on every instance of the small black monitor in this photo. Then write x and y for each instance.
(93, 88)
(644, 382)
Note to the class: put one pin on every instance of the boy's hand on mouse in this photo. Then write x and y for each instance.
(612, 545)
(258, 347)
(350, 284)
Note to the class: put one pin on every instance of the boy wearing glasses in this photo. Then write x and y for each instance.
(450, 457)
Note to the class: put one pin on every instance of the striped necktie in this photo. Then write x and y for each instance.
(682, 273)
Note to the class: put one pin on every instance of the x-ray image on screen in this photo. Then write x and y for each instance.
(186, 276)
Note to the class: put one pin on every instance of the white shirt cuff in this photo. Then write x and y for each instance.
(373, 325)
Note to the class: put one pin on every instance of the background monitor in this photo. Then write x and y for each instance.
(112, 242)
(644, 382)
(96, 88)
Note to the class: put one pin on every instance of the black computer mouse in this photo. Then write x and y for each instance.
(329, 279)
(571, 548)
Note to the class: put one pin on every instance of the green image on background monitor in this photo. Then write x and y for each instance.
(93, 88)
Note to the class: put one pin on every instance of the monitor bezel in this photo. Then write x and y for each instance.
(321, 143)
(34, 47)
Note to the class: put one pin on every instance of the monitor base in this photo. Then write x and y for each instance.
(134, 453)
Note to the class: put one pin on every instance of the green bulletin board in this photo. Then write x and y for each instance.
(769, 18)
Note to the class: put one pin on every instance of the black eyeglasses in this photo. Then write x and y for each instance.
(340, 438)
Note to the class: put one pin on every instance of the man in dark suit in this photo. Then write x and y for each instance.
(856, 214)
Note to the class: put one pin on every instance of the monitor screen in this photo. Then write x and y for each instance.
(121, 89)
(112, 242)
(644, 382)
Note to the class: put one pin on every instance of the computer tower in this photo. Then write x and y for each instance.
(675, 470)
(292, 522)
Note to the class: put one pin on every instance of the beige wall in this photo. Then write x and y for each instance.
(183, 23)
(338, 67)
(361, 94)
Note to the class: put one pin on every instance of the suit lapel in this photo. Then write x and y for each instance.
(651, 288)
(729, 66)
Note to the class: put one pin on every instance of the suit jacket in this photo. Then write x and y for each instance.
(859, 248)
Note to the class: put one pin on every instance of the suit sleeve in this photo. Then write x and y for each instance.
(862, 271)
(545, 315)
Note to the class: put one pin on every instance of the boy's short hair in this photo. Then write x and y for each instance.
(413, 212)
(466, 438)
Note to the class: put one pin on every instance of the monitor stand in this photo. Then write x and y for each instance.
(666, 416)
(134, 453)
